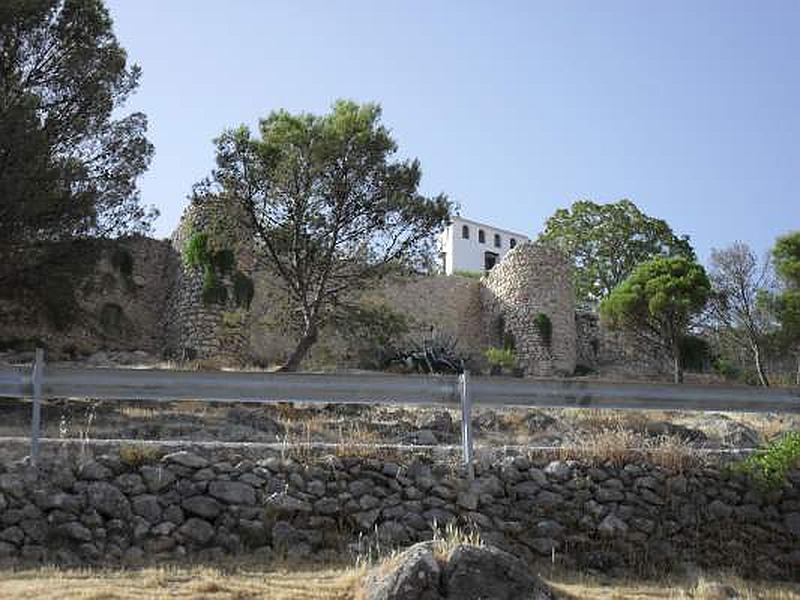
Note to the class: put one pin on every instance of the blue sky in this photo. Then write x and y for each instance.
(690, 109)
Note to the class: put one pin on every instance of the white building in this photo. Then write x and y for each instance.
(471, 246)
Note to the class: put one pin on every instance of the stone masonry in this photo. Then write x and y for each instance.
(616, 518)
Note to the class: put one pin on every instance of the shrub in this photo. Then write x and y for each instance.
(545, 328)
(770, 464)
(136, 455)
(195, 250)
(470, 274)
(500, 357)
(213, 290)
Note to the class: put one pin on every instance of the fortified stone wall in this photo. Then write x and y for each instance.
(601, 347)
(533, 279)
(121, 303)
(615, 518)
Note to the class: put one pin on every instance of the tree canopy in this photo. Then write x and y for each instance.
(331, 207)
(68, 165)
(607, 241)
(738, 314)
(786, 257)
(657, 301)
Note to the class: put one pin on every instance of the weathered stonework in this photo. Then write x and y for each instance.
(636, 517)
(533, 279)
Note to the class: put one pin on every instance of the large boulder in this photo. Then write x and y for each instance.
(429, 572)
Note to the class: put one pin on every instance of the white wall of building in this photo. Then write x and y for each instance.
(469, 254)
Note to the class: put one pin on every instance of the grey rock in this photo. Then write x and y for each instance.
(197, 530)
(12, 485)
(559, 470)
(475, 573)
(232, 492)
(202, 506)
(415, 575)
(131, 484)
(549, 528)
(544, 546)
(108, 500)
(792, 523)
(94, 471)
(719, 510)
(74, 531)
(186, 459)
(156, 478)
(365, 520)
(12, 534)
(612, 527)
(147, 506)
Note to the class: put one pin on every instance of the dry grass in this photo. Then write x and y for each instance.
(179, 583)
(341, 583)
(580, 586)
(619, 446)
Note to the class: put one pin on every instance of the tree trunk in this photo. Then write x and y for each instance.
(678, 370)
(308, 339)
(797, 374)
(762, 372)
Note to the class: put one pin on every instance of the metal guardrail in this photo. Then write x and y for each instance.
(454, 391)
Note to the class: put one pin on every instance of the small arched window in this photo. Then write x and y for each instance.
(497, 242)
(464, 232)
(512, 242)
(481, 236)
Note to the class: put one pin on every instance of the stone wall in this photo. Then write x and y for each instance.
(599, 347)
(615, 518)
(533, 279)
(121, 306)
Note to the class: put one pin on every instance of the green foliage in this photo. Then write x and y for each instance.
(243, 290)
(467, 273)
(357, 216)
(726, 368)
(500, 357)
(786, 256)
(375, 332)
(195, 250)
(213, 291)
(607, 241)
(69, 165)
(770, 464)
(545, 328)
(216, 264)
(658, 301)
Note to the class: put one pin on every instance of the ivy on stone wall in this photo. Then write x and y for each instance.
(217, 264)
(545, 328)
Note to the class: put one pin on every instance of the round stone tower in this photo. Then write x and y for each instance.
(529, 303)
(197, 327)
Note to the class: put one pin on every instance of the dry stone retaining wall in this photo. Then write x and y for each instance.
(632, 517)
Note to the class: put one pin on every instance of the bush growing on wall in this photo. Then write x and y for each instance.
(217, 264)
(545, 328)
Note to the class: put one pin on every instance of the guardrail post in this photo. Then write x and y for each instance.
(466, 422)
(36, 419)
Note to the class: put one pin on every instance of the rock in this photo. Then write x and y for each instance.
(202, 506)
(284, 505)
(156, 478)
(197, 530)
(667, 429)
(365, 520)
(232, 492)
(719, 510)
(423, 437)
(612, 527)
(731, 434)
(74, 531)
(94, 471)
(792, 522)
(474, 573)
(186, 459)
(549, 528)
(147, 506)
(559, 469)
(413, 575)
(108, 500)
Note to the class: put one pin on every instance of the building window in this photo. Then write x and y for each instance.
(481, 236)
(464, 232)
(497, 242)
(489, 260)
(512, 242)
